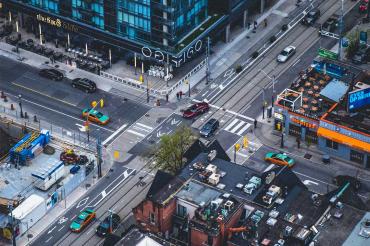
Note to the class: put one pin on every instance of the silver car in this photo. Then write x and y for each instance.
(286, 54)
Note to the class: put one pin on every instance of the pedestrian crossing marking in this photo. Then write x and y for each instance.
(145, 126)
(237, 127)
(136, 133)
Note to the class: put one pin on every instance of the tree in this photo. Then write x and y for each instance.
(353, 44)
(169, 154)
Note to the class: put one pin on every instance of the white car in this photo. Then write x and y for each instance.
(286, 54)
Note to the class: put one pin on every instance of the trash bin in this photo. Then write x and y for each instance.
(326, 159)
(269, 112)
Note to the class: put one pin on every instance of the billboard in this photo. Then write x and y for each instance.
(359, 99)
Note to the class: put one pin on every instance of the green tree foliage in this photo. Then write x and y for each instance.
(169, 154)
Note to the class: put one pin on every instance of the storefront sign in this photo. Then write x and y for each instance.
(324, 53)
(278, 116)
(177, 61)
(56, 22)
(359, 99)
(303, 122)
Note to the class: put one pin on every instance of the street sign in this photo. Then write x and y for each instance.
(324, 53)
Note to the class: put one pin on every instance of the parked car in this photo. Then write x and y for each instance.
(195, 110)
(51, 74)
(280, 159)
(83, 219)
(84, 84)
(95, 116)
(311, 17)
(341, 180)
(108, 225)
(330, 24)
(286, 53)
(209, 128)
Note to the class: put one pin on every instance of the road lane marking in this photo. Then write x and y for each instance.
(64, 114)
(141, 129)
(61, 228)
(74, 216)
(44, 94)
(51, 230)
(89, 231)
(231, 125)
(237, 126)
(136, 133)
(103, 193)
(82, 202)
(114, 134)
(49, 239)
(62, 220)
(309, 182)
(243, 129)
(269, 168)
(145, 126)
(296, 62)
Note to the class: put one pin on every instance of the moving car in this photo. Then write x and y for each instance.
(105, 227)
(286, 53)
(195, 110)
(51, 74)
(84, 84)
(311, 17)
(280, 159)
(83, 219)
(341, 180)
(209, 128)
(95, 116)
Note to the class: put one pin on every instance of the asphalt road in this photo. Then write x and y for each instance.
(59, 104)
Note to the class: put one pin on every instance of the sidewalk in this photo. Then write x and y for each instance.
(267, 136)
(225, 55)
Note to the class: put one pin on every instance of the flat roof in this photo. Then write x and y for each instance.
(354, 238)
(32, 202)
(335, 90)
(197, 194)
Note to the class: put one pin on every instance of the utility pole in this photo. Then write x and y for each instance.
(20, 104)
(273, 91)
(99, 154)
(208, 68)
(111, 220)
(341, 32)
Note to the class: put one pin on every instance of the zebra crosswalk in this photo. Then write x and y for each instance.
(237, 126)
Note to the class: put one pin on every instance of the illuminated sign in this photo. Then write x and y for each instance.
(177, 61)
(303, 122)
(359, 99)
(56, 22)
(324, 53)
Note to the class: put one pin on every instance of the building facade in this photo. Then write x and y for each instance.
(167, 31)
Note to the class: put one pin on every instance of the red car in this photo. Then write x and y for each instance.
(195, 110)
(363, 6)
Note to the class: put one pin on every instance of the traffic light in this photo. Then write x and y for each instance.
(93, 104)
(101, 103)
(237, 147)
(116, 154)
(141, 78)
(245, 142)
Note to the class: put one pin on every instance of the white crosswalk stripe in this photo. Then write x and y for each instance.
(238, 127)
(140, 130)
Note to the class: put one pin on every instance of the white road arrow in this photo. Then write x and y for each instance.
(309, 182)
(174, 121)
(159, 134)
(81, 127)
(62, 220)
(51, 230)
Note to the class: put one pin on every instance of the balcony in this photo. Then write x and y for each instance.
(162, 7)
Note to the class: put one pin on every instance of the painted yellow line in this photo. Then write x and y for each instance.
(43, 94)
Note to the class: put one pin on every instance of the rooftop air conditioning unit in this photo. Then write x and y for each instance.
(211, 168)
(229, 205)
(212, 155)
(214, 179)
(361, 85)
(216, 203)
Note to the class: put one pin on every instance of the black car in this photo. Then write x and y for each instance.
(330, 24)
(51, 74)
(209, 128)
(311, 17)
(108, 225)
(341, 180)
(84, 84)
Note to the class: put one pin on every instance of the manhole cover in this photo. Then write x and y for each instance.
(307, 156)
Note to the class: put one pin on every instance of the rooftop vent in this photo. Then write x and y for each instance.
(229, 205)
(211, 168)
(212, 155)
(214, 179)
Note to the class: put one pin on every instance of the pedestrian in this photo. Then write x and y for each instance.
(255, 123)
(249, 25)
(265, 22)
(177, 96)
(51, 59)
(298, 140)
(180, 94)
(166, 97)
(255, 25)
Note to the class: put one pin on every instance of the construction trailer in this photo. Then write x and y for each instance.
(29, 146)
(44, 178)
(28, 213)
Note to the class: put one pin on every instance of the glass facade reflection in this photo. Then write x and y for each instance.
(160, 23)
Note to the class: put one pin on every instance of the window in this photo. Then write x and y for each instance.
(357, 157)
(181, 210)
(331, 144)
(152, 218)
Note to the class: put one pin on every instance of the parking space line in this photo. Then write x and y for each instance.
(43, 94)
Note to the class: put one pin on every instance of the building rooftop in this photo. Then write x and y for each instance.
(335, 90)
(197, 193)
(135, 237)
(360, 235)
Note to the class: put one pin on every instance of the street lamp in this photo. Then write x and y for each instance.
(20, 104)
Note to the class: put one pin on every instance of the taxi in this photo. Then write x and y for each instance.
(95, 116)
(280, 159)
(83, 219)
